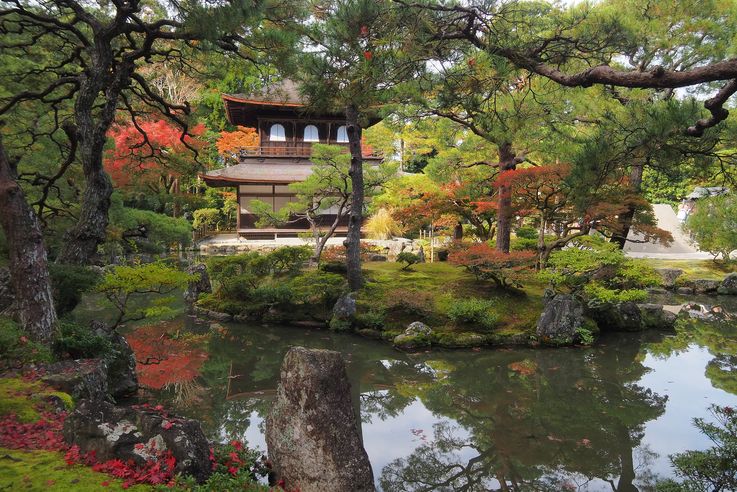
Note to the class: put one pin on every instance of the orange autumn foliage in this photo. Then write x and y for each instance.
(230, 143)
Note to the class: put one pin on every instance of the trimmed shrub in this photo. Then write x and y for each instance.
(78, 342)
(16, 349)
(69, 282)
(473, 311)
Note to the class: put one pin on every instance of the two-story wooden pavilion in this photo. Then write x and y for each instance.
(287, 130)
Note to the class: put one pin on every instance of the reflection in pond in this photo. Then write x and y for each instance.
(600, 418)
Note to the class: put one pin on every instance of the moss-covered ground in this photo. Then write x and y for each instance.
(393, 298)
(48, 471)
(697, 269)
(23, 398)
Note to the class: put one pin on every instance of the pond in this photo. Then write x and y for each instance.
(598, 418)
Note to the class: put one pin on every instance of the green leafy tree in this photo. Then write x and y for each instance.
(356, 58)
(714, 225)
(711, 470)
(125, 283)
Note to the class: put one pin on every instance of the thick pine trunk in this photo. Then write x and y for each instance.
(33, 304)
(80, 242)
(625, 219)
(507, 162)
(353, 239)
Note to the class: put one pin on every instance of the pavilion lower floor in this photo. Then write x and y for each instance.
(247, 227)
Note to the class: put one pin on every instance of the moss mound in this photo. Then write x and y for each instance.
(47, 470)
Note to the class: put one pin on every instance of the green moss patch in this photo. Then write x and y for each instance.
(461, 310)
(47, 470)
(696, 269)
(24, 398)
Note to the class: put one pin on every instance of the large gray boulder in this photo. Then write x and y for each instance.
(669, 276)
(561, 321)
(139, 434)
(82, 379)
(655, 317)
(312, 431)
(199, 286)
(122, 379)
(729, 285)
(705, 286)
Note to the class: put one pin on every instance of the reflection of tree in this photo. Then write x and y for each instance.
(536, 420)
(719, 337)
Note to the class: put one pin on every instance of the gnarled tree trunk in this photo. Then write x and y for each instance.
(353, 239)
(92, 125)
(625, 219)
(507, 162)
(33, 304)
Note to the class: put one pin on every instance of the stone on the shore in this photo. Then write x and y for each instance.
(199, 286)
(685, 291)
(705, 286)
(669, 276)
(122, 379)
(655, 317)
(728, 285)
(82, 379)
(561, 321)
(312, 431)
(415, 336)
(344, 312)
(623, 316)
(217, 316)
(138, 434)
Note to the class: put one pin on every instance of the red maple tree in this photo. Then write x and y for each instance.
(153, 153)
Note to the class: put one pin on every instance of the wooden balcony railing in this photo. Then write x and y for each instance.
(293, 149)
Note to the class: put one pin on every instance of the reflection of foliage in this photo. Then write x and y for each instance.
(162, 360)
(719, 337)
(383, 404)
(536, 420)
(715, 469)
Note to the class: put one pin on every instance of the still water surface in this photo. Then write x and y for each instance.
(599, 418)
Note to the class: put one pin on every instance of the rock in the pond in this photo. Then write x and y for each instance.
(685, 291)
(82, 379)
(415, 336)
(344, 312)
(217, 316)
(199, 286)
(122, 378)
(705, 286)
(623, 316)
(417, 328)
(561, 321)
(6, 290)
(138, 434)
(312, 431)
(655, 317)
(669, 276)
(728, 285)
